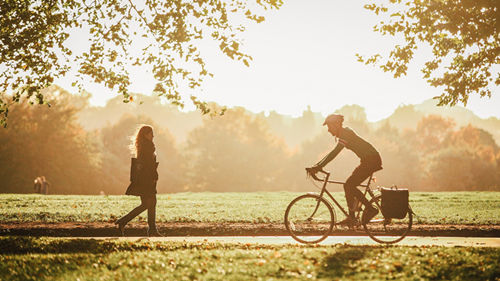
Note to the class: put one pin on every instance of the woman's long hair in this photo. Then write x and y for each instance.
(138, 139)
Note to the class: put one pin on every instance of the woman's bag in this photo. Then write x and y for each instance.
(133, 188)
(134, 168)
(395, 202)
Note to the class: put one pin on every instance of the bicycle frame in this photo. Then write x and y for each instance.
(324, 190)
(380, 228)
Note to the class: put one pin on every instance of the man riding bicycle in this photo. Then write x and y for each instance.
(370, 163)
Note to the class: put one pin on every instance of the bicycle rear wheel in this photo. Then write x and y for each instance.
(309, 218)
(384, 230)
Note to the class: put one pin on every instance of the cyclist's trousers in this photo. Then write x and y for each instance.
(359, 175)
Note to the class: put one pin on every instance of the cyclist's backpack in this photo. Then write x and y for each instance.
(394, 202)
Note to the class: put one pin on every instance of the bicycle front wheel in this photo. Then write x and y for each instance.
(387, 230)
(309, 218)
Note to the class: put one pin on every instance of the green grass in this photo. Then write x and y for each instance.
(24, 258)
(431, 208)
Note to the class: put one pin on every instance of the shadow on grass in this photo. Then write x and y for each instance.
(475, 264)
(45, 267)
(341, 262)
(18, 245)
(34, 245)
(426, 263)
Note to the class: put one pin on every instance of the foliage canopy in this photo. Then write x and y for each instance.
(464, 36)
(160, 36)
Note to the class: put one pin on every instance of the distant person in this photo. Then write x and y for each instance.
(37, 185)
(45, 185)
(143, 184)
(370, 163)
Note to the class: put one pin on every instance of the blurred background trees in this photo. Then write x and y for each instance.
(235, 152)
(85, 150)
(50, 142)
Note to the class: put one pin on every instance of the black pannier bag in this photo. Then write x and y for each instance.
(394, 202)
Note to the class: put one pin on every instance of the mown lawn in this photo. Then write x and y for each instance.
(23, 258)
(431, 208)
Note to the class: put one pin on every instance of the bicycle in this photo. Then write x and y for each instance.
(310, 218)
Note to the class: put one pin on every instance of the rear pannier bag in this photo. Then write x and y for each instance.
(394, 202)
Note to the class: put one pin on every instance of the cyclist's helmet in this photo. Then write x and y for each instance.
(334, 119)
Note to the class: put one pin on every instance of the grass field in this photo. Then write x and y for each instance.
(431, 208)
(25, 258)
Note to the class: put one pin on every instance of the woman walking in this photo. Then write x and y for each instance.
(143, 183)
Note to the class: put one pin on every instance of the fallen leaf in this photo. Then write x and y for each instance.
(261, 262)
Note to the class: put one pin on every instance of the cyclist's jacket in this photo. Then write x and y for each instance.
(350, 140)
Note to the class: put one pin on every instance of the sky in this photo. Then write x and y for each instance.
(304, 55)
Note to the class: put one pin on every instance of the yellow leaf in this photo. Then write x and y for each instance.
(261, 262)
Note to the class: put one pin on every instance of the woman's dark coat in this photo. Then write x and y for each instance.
(144, 183)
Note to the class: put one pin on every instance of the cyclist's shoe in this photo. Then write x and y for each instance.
(368, 214)
(349, 222)
(345, 221)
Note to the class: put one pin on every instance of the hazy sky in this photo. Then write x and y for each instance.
(304, 54)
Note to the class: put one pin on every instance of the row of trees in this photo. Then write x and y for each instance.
(439, 156)
(239, 151)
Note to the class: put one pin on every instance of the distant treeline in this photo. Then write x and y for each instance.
(85, 150)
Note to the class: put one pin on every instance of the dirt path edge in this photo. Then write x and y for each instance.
(106, 229)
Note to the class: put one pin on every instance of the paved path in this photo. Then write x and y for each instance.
(107, 229)
(351, 240)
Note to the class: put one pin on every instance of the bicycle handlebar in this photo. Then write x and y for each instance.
(313, 173)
